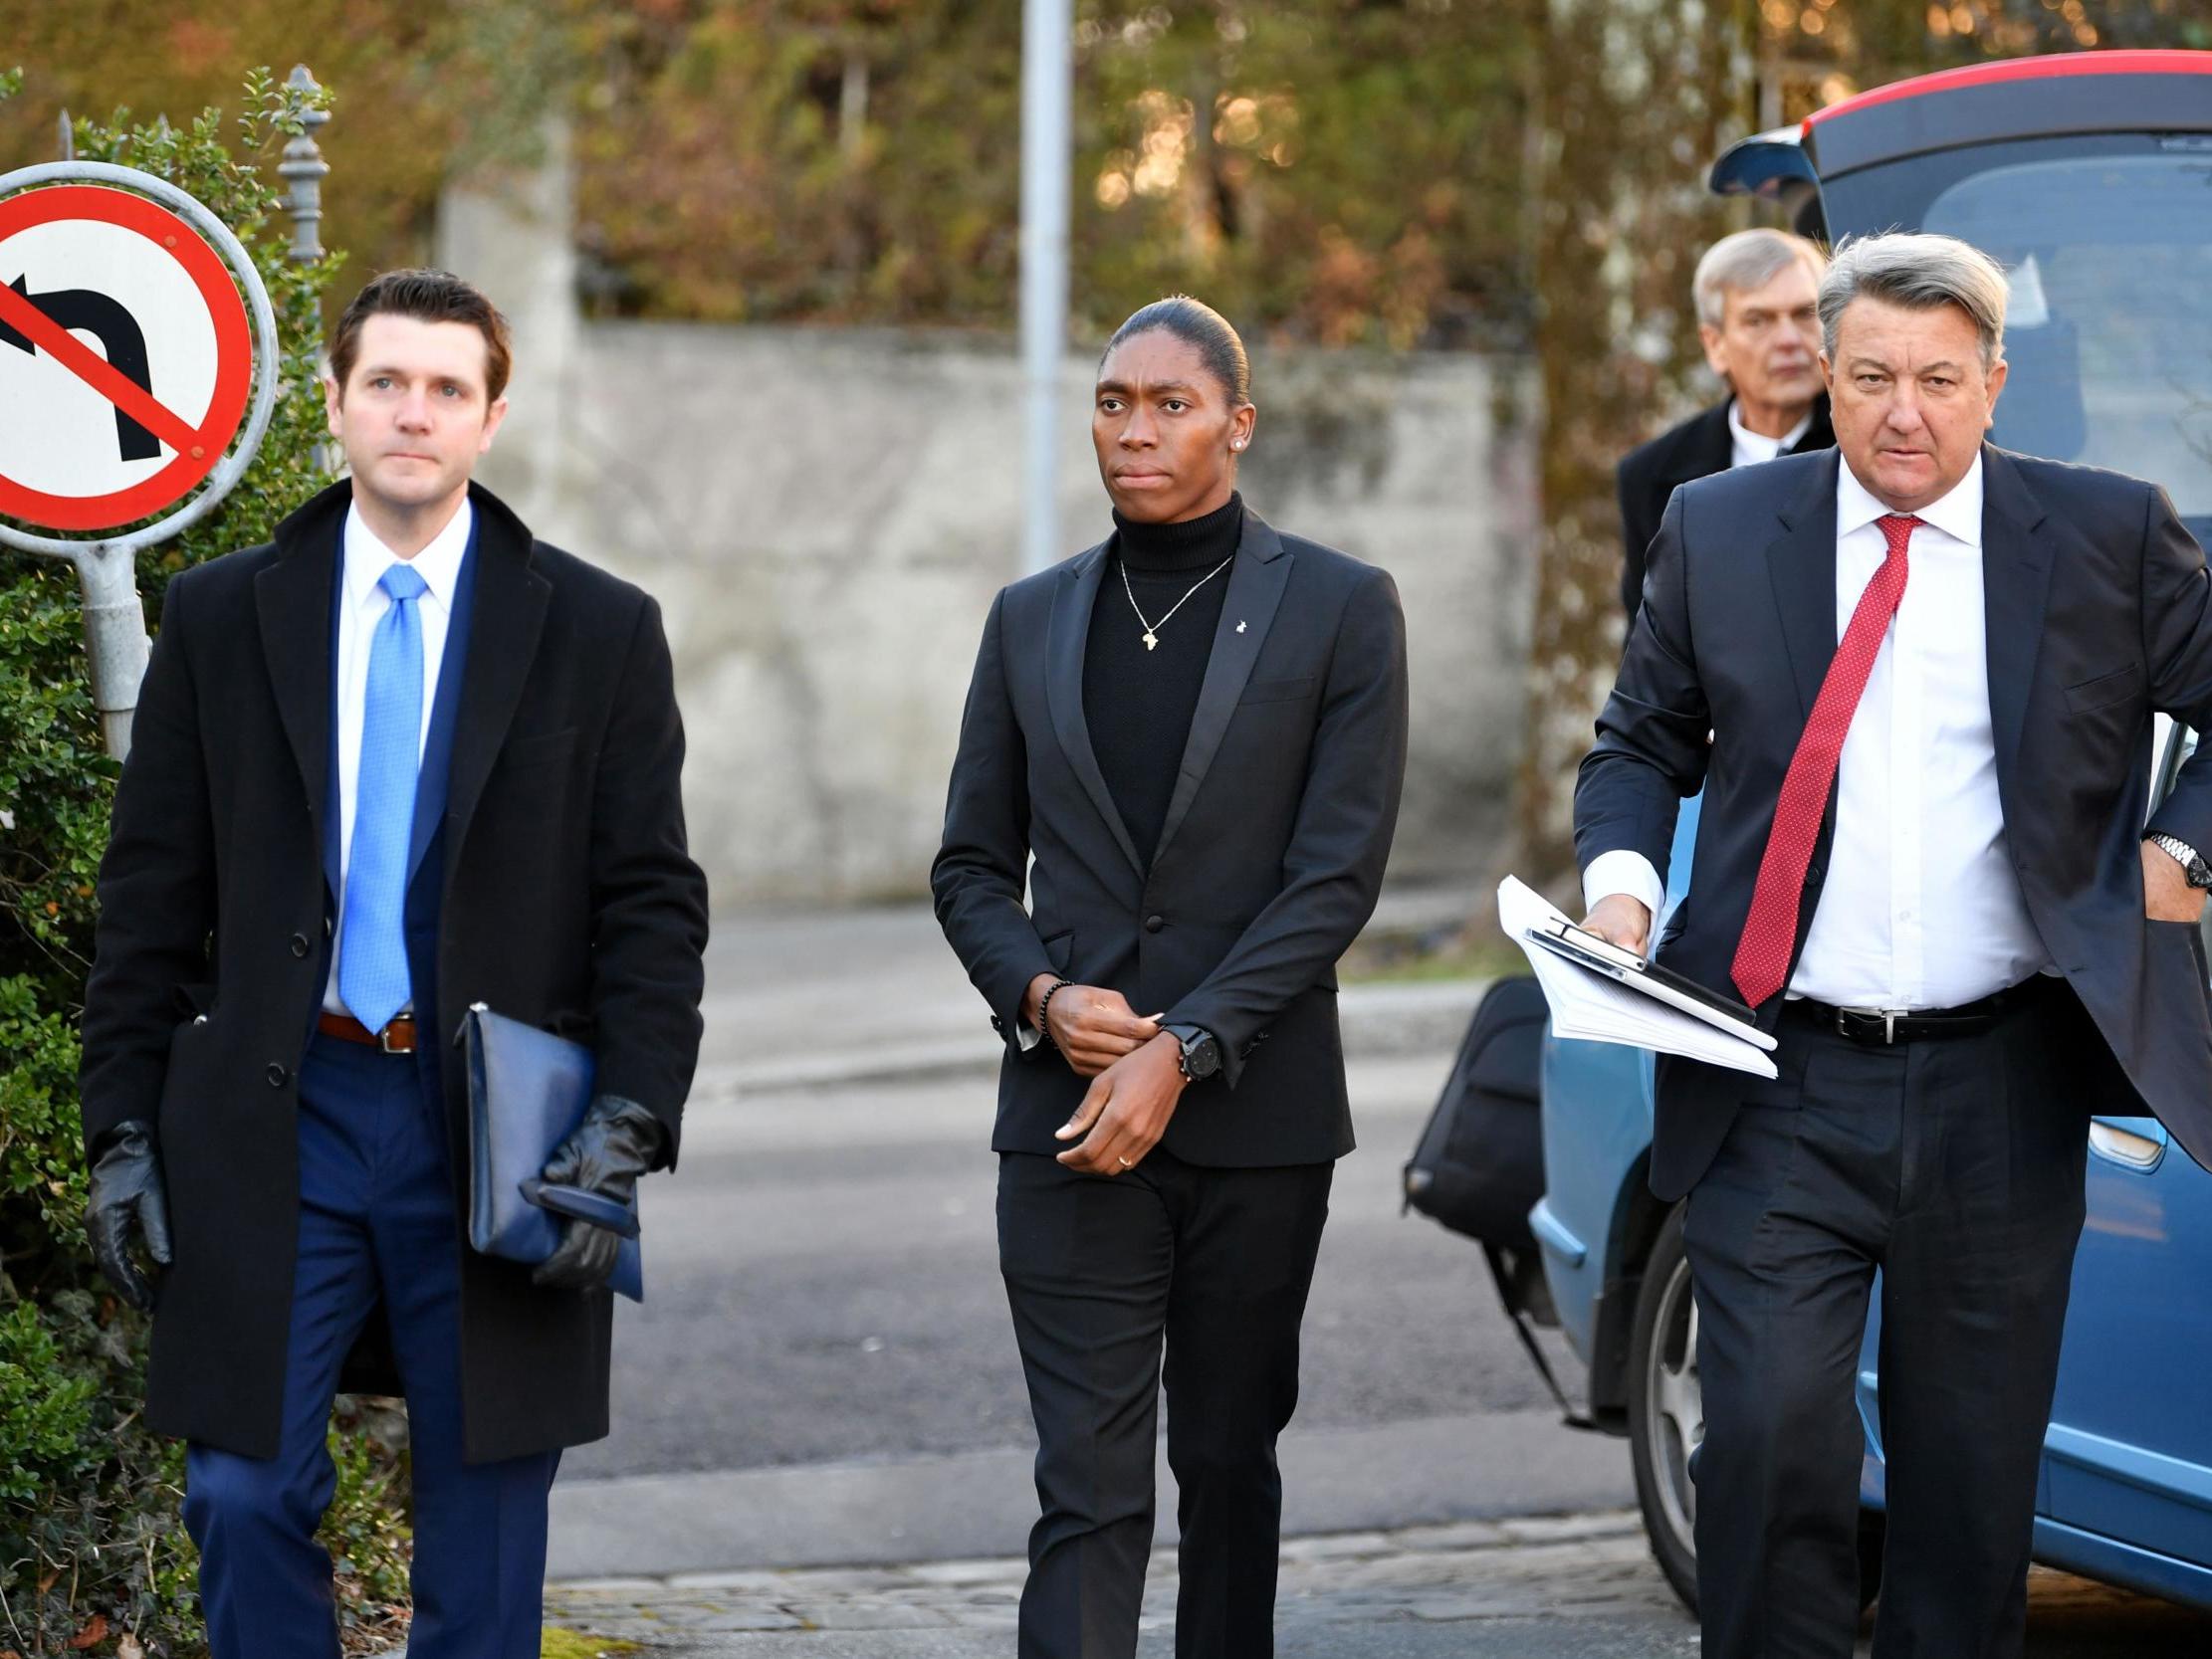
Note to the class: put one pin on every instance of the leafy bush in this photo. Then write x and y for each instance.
(92, 1553)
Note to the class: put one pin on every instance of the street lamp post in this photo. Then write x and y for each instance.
(302, 167)
(1047, 76)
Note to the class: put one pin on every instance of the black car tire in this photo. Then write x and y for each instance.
(1665, 1408)
(1666, 1423)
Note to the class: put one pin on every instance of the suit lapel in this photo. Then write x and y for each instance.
(1821, 434)
(1705, 447)
(435, 779)
(294, 599)
(1066, 640)
(334, 808)
(1713, 450)
(1256, 584)
(508, 603)
(1801, 566)
(2017, 556)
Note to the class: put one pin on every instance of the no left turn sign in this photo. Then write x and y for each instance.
(126, 357)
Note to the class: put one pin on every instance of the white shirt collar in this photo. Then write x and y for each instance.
(439, 564)
(1758, 443)
(1957, 513)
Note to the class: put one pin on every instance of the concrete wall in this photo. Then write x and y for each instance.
(825, 517)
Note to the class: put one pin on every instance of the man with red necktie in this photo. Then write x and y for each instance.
(1915, 678)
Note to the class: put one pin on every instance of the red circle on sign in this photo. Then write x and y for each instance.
(234, 358)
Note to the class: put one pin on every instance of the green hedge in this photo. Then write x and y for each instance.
(93, 1554)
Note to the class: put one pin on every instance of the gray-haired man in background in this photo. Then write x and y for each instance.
(1929, 669)
(1755, 294)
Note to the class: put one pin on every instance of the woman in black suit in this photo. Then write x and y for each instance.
(1187, 742)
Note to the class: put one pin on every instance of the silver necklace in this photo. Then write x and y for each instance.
(1152, 629)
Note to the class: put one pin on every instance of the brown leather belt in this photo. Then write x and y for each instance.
(396, 1038)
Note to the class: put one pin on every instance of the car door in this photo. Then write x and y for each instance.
(2129, 1455)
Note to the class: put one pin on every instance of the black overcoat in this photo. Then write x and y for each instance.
(568, 900)
(1698, 447)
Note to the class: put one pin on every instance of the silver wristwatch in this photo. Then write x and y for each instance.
(2199, 872)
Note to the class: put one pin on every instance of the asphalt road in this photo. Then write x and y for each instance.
(825, 1287)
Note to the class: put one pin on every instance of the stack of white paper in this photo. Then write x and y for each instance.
(1590, 1006)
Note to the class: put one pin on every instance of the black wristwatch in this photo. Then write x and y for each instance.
(1201, 1054)
(2199, 873)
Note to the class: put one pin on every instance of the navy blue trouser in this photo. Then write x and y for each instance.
(376, 1222)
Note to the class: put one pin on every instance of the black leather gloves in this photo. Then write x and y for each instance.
(617, 1141)
(127, 1206)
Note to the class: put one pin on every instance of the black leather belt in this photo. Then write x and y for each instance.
(1884, 1026)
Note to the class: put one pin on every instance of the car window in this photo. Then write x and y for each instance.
(2108, 331)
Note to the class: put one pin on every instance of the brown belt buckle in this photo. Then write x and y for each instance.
(385, 1037)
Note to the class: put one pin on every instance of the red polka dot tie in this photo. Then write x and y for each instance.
(1770, 931)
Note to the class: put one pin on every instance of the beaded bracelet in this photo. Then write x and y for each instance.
(1044, 1026)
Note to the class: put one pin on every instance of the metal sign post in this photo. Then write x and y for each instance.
(91, 440)
(1047, 78)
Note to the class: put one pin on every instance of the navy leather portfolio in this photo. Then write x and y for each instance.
(527, 1090)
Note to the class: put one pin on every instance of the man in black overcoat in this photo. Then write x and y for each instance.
(1754, 293)
(1917, 679)
(402, 759)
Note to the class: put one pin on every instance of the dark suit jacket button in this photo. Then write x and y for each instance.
(1152, 924)
(276, 1075)
(298, 945)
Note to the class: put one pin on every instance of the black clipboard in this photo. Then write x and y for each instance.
(1600, 955)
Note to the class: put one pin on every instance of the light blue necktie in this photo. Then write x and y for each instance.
(372, 948)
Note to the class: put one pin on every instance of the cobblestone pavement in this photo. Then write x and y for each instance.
(1556, 1587)
(1553, 1568)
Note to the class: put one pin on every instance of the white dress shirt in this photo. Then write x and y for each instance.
(362, 603)
(1747, 446)
(1920, 908)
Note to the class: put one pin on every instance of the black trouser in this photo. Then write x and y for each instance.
(1100, 1272)
(1955, 1167)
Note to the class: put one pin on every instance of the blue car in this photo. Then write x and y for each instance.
(2090, 177)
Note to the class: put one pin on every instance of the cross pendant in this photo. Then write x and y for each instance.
(1152, 640)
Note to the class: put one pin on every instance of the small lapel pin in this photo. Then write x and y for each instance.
(1240, 627)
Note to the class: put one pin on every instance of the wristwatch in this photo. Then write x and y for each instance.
(2199, 872)
(1201, 1054)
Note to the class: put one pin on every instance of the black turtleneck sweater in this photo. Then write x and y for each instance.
(1138, 703)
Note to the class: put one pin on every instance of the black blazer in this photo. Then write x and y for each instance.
(567, 899)
(2098, 612)
(1698, 447)
(1267, 867)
